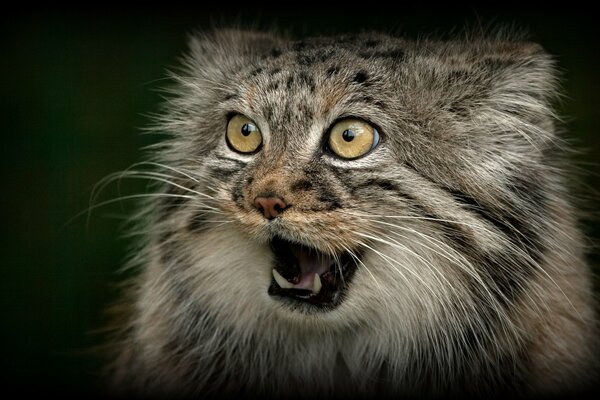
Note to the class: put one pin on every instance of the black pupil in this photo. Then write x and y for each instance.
(348, 135)
(247, 129)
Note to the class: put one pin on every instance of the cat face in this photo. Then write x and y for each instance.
(358, 175)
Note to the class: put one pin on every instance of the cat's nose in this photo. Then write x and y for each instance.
(270, 206)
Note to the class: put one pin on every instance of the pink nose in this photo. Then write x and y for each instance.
(271, 207)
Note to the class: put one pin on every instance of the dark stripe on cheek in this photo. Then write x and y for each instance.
(517, 228)
(506, 272)
(329, 200)
(239, 190)
(237, 194)
(230, 96)
(506, 275)
(239, 163)
(528, 189)
(383, 184)
(373, 184)
(471, 204)
(510, 219)
(315, 179)
(301, 185)
(222, 171)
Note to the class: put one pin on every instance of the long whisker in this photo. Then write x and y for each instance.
(115, 176)
(464, 265)
(393, 262)
(122, 198)
(160, 178)
(450, 254)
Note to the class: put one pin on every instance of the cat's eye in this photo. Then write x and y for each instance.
(351, 138)
(243, 134)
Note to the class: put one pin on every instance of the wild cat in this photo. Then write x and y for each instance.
(359, 216)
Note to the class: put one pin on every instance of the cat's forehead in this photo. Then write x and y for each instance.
(299, 82)
(323, 60)
(294, 80)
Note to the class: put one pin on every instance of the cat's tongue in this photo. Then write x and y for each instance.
(310, 262)
(309, 266)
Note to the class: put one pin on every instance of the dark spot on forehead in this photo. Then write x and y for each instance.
(305, 59)
(367, 99)
(268, 111)
(290, 82)
(230, 96)
(360, 77)
(333, 71)
(256, 71)
(273, 85)
(324, 55)
(306, 79)
(459, 109)
(372, 43)
(275, 71)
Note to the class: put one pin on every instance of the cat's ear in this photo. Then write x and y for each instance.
(227, 49)
(522, 87)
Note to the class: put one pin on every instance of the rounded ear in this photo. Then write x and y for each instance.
(523, 90)
(499, 88)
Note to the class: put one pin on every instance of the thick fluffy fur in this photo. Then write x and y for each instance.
(472, 277)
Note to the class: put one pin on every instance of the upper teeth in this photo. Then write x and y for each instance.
(317, 284)
(285, 284)
(281, 281)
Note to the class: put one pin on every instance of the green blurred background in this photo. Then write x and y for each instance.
(75, 89)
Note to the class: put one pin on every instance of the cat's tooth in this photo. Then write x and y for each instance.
(317, 284)
(281, 281)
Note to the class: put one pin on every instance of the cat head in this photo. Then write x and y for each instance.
(403, 173)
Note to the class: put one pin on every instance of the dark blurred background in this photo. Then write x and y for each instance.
(76, 88)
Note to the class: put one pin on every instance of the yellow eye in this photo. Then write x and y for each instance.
(351, 138)
(243, 135)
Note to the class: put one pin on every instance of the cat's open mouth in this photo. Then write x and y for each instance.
(308, 275)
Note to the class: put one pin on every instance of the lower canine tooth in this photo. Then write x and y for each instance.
(317, 284)
(282, 282)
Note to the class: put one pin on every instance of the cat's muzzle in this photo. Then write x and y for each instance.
(307, 275)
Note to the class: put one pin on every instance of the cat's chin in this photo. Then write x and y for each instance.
(309, 279)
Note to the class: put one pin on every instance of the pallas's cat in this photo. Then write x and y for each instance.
(358, 216)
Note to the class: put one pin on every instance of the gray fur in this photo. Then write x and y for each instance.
(472, 278)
